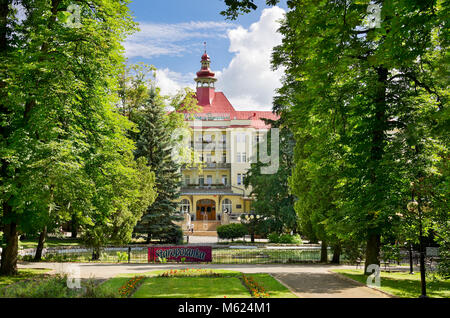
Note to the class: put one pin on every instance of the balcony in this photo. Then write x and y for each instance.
(208, 189)
(211, 165)
(208, 145)
(213, 186)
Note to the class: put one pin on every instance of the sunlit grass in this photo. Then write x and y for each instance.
(403, 284)
(49, 242)
(229, 285)
(22, 275)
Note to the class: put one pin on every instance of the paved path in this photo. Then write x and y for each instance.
(325, 285)
(305, 280)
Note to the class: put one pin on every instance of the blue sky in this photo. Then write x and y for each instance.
(172, 35)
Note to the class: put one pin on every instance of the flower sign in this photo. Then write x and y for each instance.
(177, 253)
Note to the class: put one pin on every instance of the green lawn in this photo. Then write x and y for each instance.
(402, 284)
(22, 275)
(274, 287)
(229, 286)
(192, 287)
(49, 242)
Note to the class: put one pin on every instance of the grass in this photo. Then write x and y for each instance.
(192, 287)
(403, 284)
(274, 287)
(229, 286)
(23, 274)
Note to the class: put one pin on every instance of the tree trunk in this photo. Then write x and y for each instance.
(376, 156)
(372, 251)
(95, 253)
(40, 246)
(9, 253)
(74, 227)
(336, 254)
(324, 252)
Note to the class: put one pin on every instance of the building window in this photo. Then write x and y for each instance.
(187, 180)
(224, 180)
(201, 180)
(244, 157)
(238, 206)
(239, 179)
(238, 157)
(208, 158)
(240, 137)
(226, 206)
(185, 206)
(208, 180)
(207, 138)
(224, 158)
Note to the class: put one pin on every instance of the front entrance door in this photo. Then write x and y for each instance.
(206, 210)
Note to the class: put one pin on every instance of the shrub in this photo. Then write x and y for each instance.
(122, 256)
(53, 287)
(284, 238)
(174, 236)
(231, 231)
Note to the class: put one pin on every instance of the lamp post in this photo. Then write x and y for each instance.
(411, 266)
(414, 206)
(250, 219)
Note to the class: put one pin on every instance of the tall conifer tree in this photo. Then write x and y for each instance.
(155, 143)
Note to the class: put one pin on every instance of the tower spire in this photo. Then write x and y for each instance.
(205, 81)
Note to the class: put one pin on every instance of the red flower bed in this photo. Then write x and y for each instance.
(129, 287)
(256, 290)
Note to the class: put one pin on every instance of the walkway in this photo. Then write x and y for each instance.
(310, 284)
(306, 281)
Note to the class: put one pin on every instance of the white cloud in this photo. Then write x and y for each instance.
(155, 39)
(171, 82)
(248, 81)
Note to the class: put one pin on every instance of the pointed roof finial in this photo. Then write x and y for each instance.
(204, 43)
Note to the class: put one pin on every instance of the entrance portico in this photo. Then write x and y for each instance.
(206, 210)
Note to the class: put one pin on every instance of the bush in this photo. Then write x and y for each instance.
(174, 236)
(53, 287)
(231, 231)
(122, 256)
(284, 238)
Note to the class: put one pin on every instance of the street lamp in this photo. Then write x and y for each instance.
(250, 219)
(416, 207)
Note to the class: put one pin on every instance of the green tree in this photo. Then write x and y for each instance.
(58, 93)
(273, 200)
(155, 143)
(372, 80)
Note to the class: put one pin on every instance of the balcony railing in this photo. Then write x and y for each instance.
(213, 186)
(212, 165)
(208, 145)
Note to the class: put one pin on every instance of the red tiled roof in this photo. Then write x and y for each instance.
(221, 105)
